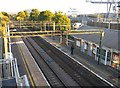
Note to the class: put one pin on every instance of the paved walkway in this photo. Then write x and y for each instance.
(106, 73)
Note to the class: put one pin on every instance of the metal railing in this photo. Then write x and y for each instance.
(20, 81)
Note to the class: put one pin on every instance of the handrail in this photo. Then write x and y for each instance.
(20, 81)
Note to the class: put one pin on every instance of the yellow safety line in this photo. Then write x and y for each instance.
(31, 80)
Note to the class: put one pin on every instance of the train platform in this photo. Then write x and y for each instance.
(11, 82)
(104, 72)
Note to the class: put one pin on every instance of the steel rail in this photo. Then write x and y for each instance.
(74, 69)
(52, 78)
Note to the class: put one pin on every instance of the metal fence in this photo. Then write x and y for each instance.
(10, 71)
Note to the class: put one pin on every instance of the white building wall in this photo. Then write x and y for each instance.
(89, 48)
(82, 45)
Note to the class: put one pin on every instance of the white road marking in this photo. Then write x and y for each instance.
(37, 66)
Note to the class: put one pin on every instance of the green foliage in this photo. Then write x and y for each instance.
(26, 15)
(46, 16)
(4, 19)
(21, 15)
(58, 18)
(41, 16)
(34, 14)
(61, 19)
(5, 14)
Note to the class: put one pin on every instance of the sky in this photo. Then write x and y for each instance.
(52, 5)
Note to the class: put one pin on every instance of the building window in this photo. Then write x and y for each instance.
(108, 56)
(103, 53)
(98, 52)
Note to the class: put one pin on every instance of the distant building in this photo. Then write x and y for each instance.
(73, 12)
(77, 25)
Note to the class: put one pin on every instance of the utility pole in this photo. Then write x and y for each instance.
(5, 42)
(66, 36)
(61, 36)
(100, 47)
(20, 23)
(54, 31)
(44, 26)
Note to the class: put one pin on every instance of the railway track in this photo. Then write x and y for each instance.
(51, 77)
(79, 75)
(53, 73)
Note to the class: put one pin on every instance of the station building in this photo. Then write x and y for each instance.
(110, 53)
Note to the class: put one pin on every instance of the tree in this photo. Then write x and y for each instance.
(5, 14)
(61, 19)
(58, 17)
(21, 15)
(41, 16)
(26, 14)
(34, 14)
(46, 16)
(4, 19)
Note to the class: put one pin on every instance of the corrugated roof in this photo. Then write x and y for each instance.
(111, 38)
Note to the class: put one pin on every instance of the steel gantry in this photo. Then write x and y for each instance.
(7, 34)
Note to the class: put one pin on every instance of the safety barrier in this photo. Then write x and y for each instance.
(20, 81)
